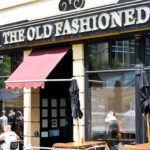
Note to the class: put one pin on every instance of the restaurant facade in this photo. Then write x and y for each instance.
(44, 44)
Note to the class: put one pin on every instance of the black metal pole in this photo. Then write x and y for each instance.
(140, 121)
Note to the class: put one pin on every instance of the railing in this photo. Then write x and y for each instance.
(37, 148)
(95, 147)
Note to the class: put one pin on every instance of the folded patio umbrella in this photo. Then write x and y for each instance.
(75, 103)
(144, 93)
(144, 85)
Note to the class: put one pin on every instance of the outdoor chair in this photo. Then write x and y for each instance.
(14, 145)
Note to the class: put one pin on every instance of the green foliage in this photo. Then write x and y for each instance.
(96, 63)
(5, 66)
(5, 69)
(116, 64)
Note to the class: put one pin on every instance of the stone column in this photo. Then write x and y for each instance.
(78, 73)
(31, 114)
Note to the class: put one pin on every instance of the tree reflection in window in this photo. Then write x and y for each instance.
(5, 66)
(98, 56)
(122, 55)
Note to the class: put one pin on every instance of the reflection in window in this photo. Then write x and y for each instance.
(16, 60)
(11, 98)
(123, 54)
(112, 91)
(5, 65)
(8, 63)
(147, 52)
(97, 56)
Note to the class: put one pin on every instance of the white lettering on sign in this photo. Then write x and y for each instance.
(146, 12)
(14, 36)
(47, 31)
(75, 26)
(116, 19)
(59, 26)
(80, 25)
(103, 21)
(32, 33)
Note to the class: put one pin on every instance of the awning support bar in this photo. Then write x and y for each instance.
(45, 80)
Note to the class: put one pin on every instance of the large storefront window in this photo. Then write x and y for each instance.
(147, 52)
(10, 98)
(122, 55)
(111, 95)
(115, 92)
(5, 65)
(98, 56)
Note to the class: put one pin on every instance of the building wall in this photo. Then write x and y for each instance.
(31, 114)
(78, 74)
(14, 11)
(32, 102)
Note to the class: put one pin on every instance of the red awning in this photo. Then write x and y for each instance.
(35, 68)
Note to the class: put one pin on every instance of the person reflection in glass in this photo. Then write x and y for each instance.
(12, 118)
(112, 124)
(117, 99)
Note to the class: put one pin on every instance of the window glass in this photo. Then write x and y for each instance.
(97, 56)
(8, 63)
(147, 52)
(123, 54)
(5, 65)
(16, 59)
(11, 100)
(112, 92)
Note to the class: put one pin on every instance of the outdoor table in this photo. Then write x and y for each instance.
(115, 143)
(144, 146)
(75, 145)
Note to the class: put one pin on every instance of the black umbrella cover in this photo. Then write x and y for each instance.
(75, 103)
(144, 92)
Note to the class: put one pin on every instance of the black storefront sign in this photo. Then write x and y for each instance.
(77, 25)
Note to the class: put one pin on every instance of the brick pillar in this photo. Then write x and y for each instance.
(78, 73)
(31, 114)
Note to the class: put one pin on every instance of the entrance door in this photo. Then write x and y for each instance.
(56, 119)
